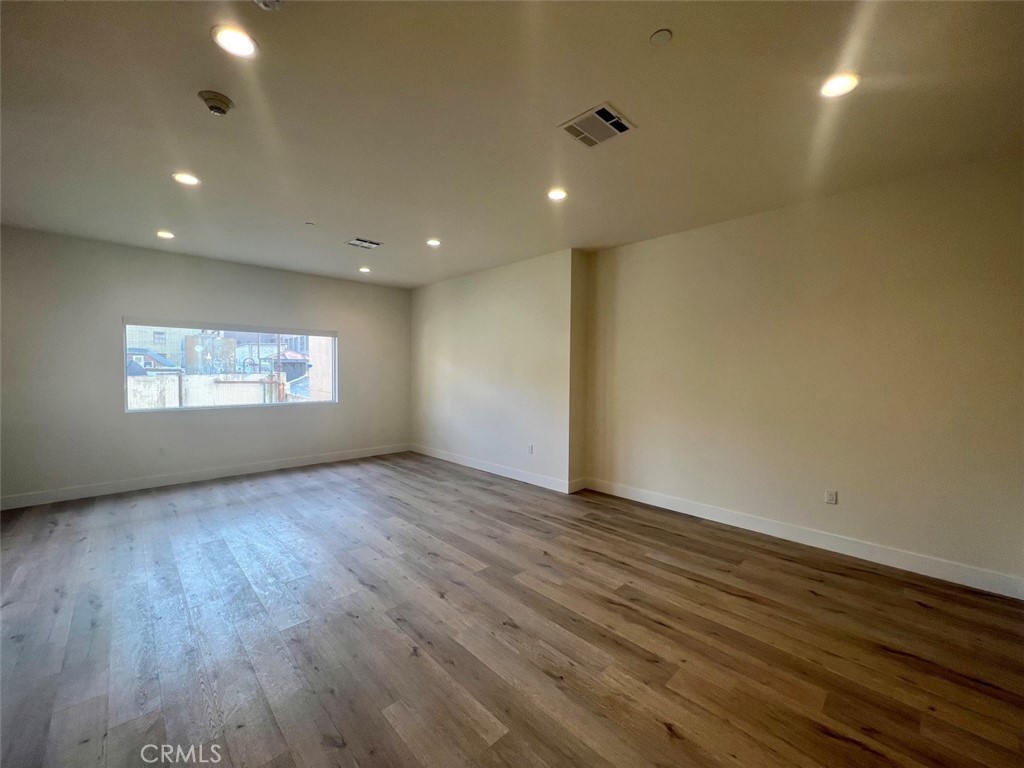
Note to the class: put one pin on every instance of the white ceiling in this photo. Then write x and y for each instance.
(403, 121)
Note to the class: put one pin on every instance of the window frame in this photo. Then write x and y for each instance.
(223, 326)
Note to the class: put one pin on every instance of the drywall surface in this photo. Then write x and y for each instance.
(579, 362)
(871, 342)
(491, 369)
(64, 430)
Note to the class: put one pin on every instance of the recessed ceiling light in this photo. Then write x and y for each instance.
(235, 41)
(839, 84)
(434, 242)
(557, 194)
(364, 269)
(661, 37)
(185, 178)
(163, 234)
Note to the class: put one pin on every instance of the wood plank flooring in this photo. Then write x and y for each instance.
(406, 612)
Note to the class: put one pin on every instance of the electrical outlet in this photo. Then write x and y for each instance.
(530, 450)
(831, 497)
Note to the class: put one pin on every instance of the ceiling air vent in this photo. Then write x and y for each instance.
(362, 242)
(596, 125)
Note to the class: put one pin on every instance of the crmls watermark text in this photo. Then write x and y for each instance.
(175, 753)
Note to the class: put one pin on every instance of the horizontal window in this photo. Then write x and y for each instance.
(169, 367)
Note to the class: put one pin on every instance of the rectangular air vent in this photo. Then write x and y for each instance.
(596, 125)
(362, 242)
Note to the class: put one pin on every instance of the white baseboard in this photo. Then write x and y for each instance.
(544, 481)
(1007, 584)
(578, 484)
(156, 481)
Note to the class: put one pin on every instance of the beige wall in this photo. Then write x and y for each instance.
(871, 342)
(579, 362)
(491, 369)
(63, 429)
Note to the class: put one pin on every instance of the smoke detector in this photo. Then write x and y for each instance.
(268, 5)
(596, 125)
(362, 242)
(217, 103)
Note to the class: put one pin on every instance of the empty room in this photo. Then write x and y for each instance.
(512, 384)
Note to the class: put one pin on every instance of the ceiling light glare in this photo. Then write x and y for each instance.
(185, 178)
(164, 234)
(235, 41)
(434, 242)
(557, 194)
(839, 85)
(364, 269)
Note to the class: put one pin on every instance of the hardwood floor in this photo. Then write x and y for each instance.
(402, 611)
